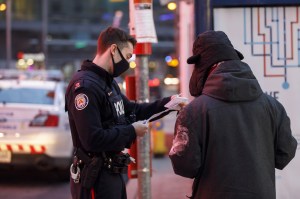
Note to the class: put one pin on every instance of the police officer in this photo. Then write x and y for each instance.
(102, 118)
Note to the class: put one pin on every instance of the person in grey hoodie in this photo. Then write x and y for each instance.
(232, 136)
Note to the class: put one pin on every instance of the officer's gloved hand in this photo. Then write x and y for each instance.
(140, 127)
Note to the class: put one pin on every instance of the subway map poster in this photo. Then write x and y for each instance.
(269, 38)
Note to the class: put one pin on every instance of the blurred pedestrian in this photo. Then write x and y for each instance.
(103, 121)
(232, 136)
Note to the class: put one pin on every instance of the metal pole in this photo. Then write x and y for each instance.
(8, 34)
(143, 155)
(186, 38)
(142, 50)
(45, 29)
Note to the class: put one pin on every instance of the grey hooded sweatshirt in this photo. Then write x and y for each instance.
(232, 137)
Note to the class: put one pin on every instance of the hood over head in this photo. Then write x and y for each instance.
(232, 81)
(209, 48)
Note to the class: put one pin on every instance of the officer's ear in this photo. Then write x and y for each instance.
(113, 49)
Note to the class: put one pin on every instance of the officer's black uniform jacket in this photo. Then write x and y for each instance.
(100, 125)
(232, 137)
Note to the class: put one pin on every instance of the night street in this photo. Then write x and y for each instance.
(209, 89)
(32, 185)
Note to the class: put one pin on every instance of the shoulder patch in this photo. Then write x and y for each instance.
(81, 101)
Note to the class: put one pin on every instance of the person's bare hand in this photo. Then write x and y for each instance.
(140, 127)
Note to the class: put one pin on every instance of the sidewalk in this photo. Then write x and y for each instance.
(164, 183)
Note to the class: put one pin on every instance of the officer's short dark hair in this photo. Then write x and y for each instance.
(113, 35)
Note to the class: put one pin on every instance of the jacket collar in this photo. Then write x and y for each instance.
(90, 66)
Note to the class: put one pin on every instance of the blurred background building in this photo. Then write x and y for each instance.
(55, 34)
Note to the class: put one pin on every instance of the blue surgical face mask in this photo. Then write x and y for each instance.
(121, 66)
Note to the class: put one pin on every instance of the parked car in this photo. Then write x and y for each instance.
(34, 128)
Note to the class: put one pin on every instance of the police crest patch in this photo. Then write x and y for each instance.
(81, 101)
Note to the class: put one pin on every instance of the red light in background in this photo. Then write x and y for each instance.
(154, 82)
(20, 55)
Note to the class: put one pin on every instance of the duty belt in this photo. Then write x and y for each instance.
(117, 163)
(113, 162)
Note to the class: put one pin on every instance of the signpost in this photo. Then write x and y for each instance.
(142, 27)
